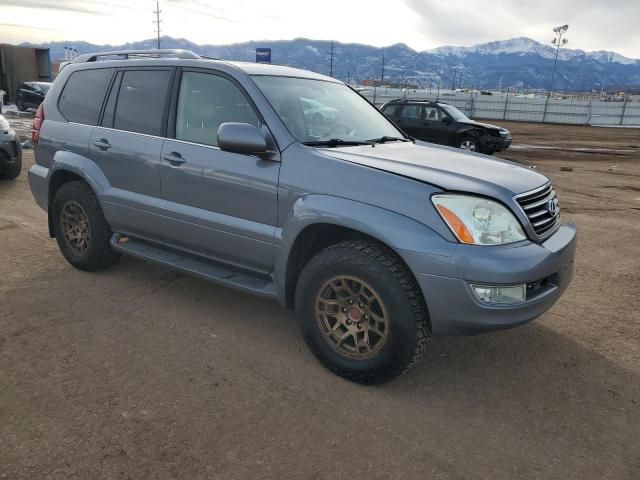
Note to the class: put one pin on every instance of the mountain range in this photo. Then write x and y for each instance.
(519, 62)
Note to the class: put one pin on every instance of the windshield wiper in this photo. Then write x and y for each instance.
(387, 138)
(336, 142)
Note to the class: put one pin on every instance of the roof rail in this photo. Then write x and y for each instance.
(154, 53)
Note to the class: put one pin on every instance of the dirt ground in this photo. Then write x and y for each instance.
(141, 373)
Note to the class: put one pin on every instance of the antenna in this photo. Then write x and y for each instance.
(157, 23)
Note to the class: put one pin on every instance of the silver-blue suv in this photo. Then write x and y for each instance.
(213, 168)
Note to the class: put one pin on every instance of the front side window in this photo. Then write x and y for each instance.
(205, 102)
(82, 97)
(142, 101)
(432, 113)
(319, 110)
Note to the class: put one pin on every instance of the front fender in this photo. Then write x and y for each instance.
(401, 233)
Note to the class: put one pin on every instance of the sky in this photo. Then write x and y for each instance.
(421, 24)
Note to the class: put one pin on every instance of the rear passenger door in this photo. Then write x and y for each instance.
(409, 119)
(127, 144)
(221, 205)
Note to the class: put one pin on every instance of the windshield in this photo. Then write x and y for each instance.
(454, 113)
(315, 111)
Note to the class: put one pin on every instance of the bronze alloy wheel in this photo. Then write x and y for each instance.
(352, 317)
(75, 227)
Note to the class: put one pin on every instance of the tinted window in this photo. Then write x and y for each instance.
(205, 102)
(82, 97)
(142, 101)
(390, 109)
(410, 111)
(432, 113)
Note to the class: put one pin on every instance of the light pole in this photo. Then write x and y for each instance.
(558, 41)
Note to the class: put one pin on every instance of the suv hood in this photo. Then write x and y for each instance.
(444, 167)
(473, 123)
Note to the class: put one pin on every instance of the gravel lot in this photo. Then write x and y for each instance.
(138, 372)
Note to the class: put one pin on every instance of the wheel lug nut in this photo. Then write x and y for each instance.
(350, 302)
(365, 317)
(349, 322)
(359, 325)
(344, 310)
(360, 305)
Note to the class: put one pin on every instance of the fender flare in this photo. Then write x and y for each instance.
(397, 231)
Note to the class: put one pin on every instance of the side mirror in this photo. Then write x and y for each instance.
(241, 138)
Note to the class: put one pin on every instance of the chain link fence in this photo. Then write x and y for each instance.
(523, 108)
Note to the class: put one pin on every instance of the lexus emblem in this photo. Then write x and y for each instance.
(552, 206)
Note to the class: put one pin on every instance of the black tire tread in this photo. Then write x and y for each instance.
(101, 232)
(344, 252)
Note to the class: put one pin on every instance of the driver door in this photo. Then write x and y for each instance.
(219, 204)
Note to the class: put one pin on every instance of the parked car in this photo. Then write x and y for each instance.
(31, 94)
(10, 151)
(210, 167)
(444, 124)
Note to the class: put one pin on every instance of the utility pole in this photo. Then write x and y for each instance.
(453, 83)
(331, 60)
(157, 22)
(382, 71)
(558, 41)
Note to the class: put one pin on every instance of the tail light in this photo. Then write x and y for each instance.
(37, 123)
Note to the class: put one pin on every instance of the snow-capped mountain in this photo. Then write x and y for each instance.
(525, 46)
(518, 62)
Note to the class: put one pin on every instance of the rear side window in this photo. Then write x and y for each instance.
(390, 110)
(411, 111)
(142, 101)
(82, 97)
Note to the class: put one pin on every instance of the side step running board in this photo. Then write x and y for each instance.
(194, 266)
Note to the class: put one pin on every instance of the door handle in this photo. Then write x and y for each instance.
(174, 158)
(102, 144)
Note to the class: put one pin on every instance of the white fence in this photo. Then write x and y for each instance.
(521, 108)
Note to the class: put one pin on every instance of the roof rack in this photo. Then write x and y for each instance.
(154, 53)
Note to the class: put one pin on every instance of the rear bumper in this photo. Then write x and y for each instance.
(455, 310)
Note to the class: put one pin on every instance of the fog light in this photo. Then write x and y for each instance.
(500, 295)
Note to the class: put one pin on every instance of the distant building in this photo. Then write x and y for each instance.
(22, 64)
(378, 83)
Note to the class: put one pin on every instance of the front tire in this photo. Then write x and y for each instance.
(20, 105)
(469, 144)
(80, 228)
(361, 312)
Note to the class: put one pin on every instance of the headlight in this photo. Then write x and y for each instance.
(478, 221)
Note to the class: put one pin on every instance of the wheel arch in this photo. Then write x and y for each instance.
(318, 221)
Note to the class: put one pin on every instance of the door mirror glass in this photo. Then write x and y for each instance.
(241, 138)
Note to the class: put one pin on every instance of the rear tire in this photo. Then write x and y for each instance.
(20, 105)
(13, 170)
(362, 270)
(80, 228)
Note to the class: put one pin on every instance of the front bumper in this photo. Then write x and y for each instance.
(455, 310)
(12, 150)
(496, 144)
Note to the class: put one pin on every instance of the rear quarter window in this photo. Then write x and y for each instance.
(83, 94)
(390, 110)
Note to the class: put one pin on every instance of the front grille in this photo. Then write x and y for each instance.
(541, 207)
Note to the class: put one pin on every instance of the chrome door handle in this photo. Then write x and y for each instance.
(103, 144)
(174, 158)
